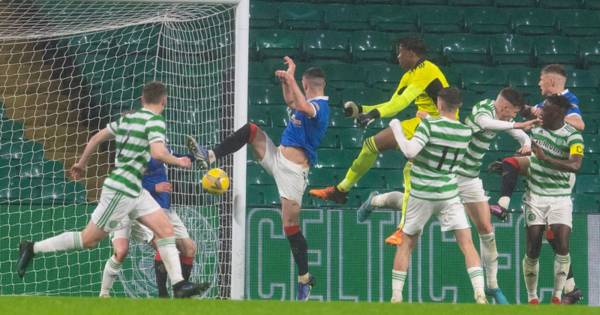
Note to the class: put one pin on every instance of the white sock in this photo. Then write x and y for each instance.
(211, 157)
(111, 269)
(489, 257)
(477, 281)
(504, 201)
(561, 270)
(170, 257)
(569, 285)
(64, 241)
(531, 268)
(391, 199)
(398, 278)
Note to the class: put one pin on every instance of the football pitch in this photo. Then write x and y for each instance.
(92, 305)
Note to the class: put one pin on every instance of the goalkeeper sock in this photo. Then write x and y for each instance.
(561, 269)
(361, 165)
(477, 281)
(236, 141)
(531, 268)
(398, 279)
(187, 263)
(170, 257)
(299, 248)
(161, 276)
(489, 256)
(111, 269)
(65, 241)
(391, 199)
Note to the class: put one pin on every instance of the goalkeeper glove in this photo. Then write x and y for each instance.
(363, 120)
(351, 109)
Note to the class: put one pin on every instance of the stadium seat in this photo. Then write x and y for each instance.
(346, 17)
(466, 48)
(560, 4)
(300, 16)
(262, 195)
(331, 139)
(592, 4)
(277, 43)
(590, 50)
(587, 184)
(515, 3)
(256, 175)
(265, 96)
(320, 177)
(368, 45)
(533, 21)
(487, 20)
(589, 167)
(511, 49)
(453, 75)
(366, 96)
(345, 76)
(385, 76)
(589, 103)
(525, 79)
(505, 143)
(434, 47)
(426, 2)
(579, 22)
(481, 79)
(259, 73)
(393, 18)
(585, 203)
(441, 19)
(592, 143)
(551, 49)
(330, 158)
(582, 82)
(471, 3)
(264, 15)
(351, 138)
(393, 159)
(327, 45)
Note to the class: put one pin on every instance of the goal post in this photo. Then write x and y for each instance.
(68, 67)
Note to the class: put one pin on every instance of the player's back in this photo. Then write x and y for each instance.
(428, 77)
(432, 174)
(133, 133)
(544, 179)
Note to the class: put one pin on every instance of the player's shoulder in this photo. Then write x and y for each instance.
(571, 97)
(571, 131)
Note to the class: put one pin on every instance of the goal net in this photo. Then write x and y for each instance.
(67, 68)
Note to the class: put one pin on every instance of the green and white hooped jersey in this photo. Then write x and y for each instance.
(544, 179)
(134, 132)
(470, 165)
(445, 143)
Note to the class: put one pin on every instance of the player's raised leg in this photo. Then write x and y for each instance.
(510, 168)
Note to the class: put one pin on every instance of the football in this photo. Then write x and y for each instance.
(215, 181)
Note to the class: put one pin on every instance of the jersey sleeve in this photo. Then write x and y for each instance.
(156, 129)
(575, 142)
(113, 126)
(423, 132)
(574, 110)
(317, 108)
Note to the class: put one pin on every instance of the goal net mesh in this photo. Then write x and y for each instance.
(67, 68)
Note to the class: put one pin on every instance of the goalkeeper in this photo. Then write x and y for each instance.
(421, 83)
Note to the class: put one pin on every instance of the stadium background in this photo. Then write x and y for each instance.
(481, 45)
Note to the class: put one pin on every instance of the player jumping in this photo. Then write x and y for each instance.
(156, 182)
(438, 146)
(289, 163)
(421, 84)
(139, 136)
(487, 119)
(557, 154)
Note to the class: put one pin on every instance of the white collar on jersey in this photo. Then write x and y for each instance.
(324, 98)
(565, 92)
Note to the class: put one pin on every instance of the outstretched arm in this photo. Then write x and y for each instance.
(395, 104)
(410, 148)
(78, 168)
(297, 98)
(159, 151)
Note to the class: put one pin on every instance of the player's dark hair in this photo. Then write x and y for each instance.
(560, 101)
(452, 97)
(413, 44)
(513, 96)
(153, 92)
(315, 75)
(555, 68)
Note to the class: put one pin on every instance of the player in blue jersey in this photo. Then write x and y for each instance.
(156, 182)
(289, 163)
(553, 79)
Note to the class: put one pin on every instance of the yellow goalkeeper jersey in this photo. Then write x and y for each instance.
(421, 84)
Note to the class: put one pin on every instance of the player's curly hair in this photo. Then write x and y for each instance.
(414, 44)
(559, 100)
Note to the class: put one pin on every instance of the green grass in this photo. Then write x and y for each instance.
(91, 306)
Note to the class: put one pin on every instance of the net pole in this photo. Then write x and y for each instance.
(238, 246)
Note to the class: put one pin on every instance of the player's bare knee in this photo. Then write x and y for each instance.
(188, 247)
(89, 242)
(121, 253)
(484, 228)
